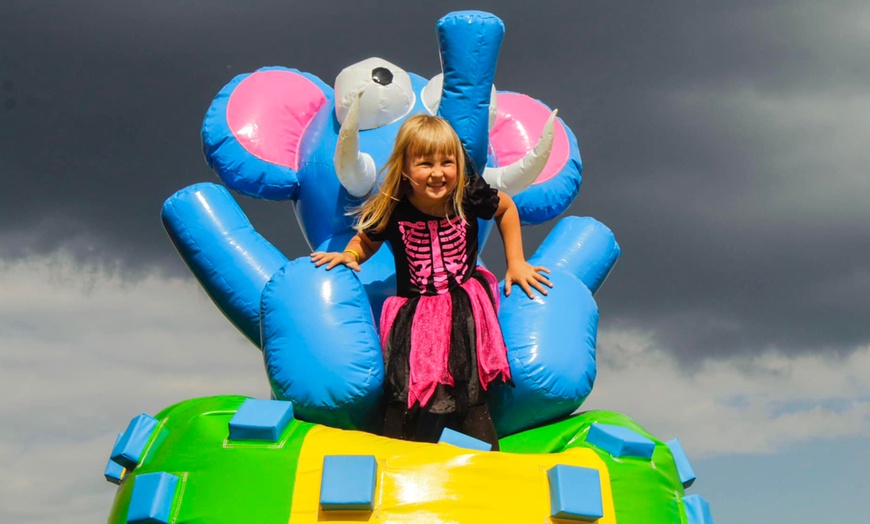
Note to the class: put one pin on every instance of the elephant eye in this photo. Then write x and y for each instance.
(382, 75)
(386, 90)
(431, 96)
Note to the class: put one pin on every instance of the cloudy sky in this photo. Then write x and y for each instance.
(724, 143)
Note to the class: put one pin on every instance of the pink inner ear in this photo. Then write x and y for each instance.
(518, 125)
(269, 111)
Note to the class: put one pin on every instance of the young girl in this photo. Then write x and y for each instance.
(442, 343)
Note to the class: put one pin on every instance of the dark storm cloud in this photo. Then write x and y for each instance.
(727, 161)
(720, 141)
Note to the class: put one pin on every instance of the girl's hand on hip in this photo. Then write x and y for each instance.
(331, 260)
(527, 277)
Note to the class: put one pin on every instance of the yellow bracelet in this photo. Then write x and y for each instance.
(354, 253)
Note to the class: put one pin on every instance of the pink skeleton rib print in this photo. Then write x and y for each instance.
(436, 251)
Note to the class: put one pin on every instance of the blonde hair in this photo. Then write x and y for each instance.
(420, 135)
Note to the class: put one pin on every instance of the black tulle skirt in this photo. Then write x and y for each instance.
(462, 359)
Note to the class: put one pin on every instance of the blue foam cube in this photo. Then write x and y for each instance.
(620, 441)
(129, 448)
(115, 472)
(575, 493)
(152, 498)
(684, 468)
(348, 482)
(261, 420)
(461, 440)
(697, 510)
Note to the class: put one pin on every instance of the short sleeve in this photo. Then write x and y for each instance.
(479, 198)
(376, 236)
(383, 234)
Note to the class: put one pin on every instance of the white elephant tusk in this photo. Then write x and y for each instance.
(356, 170)
(516, 177)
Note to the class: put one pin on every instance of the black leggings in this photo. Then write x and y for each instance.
(423, 426)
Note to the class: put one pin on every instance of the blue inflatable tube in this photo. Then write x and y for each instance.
(470, 42)
(220, 246)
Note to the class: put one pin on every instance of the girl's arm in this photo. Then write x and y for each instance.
(527, 276)
(358, 250)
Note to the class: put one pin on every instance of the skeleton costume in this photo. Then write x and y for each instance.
(442, 342)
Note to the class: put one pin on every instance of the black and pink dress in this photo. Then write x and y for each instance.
(442, 342)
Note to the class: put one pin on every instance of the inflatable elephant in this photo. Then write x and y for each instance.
(282, 134)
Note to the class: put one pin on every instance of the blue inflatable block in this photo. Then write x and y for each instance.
(129, 448)
(684, 468)
(261, 420)
(620, 441)
(461, 440)
(575, 493)
(348, 482)
(114, 471)
(697, 510)
(151, 502)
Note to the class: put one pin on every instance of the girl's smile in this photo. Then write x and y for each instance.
(433, 179)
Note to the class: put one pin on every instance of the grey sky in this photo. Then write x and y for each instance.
(723, 143)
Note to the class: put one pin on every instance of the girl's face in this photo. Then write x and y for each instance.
(432, 178)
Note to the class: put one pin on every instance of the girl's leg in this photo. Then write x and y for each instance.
(394, 421)
(430, 425)
(423, 426)
(419, 425)
(478, 424)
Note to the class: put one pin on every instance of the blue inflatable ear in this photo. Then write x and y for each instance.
(255, 130)
(321, 346)
(551, 340)
(519, 122)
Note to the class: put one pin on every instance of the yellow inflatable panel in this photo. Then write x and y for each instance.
(420, 483)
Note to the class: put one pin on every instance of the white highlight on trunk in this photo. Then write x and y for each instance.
(516, 177)
(356, 170)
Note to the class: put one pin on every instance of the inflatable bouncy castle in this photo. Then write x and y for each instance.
(311, 452)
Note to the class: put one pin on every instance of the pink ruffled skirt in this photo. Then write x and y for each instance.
(432, 343)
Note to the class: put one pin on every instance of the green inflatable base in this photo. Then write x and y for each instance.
(233, 482)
